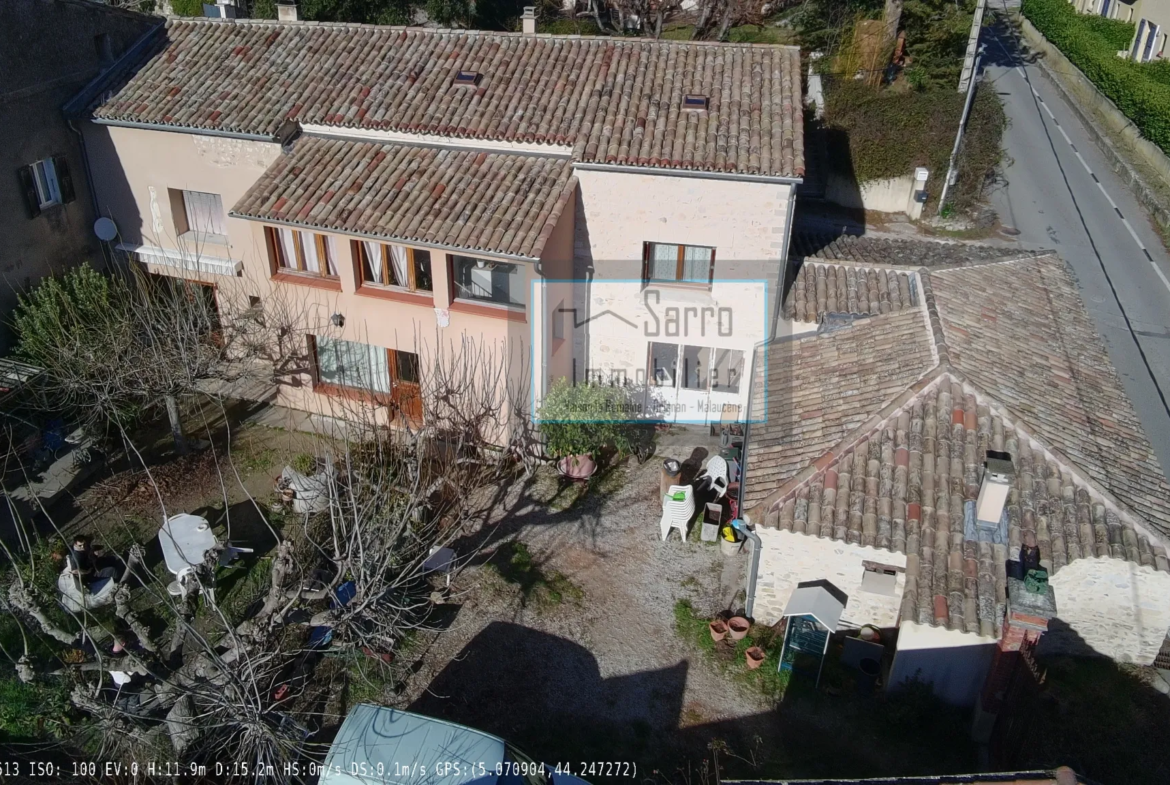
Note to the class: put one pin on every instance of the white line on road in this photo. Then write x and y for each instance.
(1100, 187)
(1161, 275)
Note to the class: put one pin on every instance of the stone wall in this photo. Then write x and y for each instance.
(1110, 607)
(787, 559)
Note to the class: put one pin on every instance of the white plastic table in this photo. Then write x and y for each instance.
(185, 540)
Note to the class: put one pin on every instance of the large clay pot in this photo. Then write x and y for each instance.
(718, 629)
(737, 628)
(577, 467)
(754, 657)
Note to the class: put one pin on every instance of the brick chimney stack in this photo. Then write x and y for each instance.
(1031, 604)
(286, 12)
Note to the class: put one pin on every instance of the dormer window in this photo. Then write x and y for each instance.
(696, 102)
(470, 78)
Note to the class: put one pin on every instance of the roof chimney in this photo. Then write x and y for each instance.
(528, 18)
(220, 9)
(286, 12)
(993, 493)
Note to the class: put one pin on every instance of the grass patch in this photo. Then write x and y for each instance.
(559, 494)
(729, 654)
(1086, 716)
(541, 589)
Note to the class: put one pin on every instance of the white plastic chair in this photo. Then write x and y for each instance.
(714, 476)
(677, 514)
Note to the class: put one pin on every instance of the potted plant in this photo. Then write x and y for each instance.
(581, 421)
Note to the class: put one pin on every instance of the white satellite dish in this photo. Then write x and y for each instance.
(105, 229)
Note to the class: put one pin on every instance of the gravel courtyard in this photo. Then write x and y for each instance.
(600, 675)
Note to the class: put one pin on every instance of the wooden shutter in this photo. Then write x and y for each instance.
(28, 184)
(645, 262)
(64, 180)
(711, 278)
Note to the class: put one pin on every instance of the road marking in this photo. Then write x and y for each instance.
(1100, 187)
(1160, 275)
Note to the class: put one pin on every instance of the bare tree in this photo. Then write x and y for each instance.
(348, 574)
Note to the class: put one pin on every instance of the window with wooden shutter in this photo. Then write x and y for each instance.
(685, 264)
(64, 180)
(28, 187)
(304, 253)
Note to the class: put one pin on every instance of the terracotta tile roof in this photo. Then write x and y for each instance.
(821, 289)
(613, 100)
(821, 388)
(893, 456)
(466, 199)
(1021, 332)
(910, 484)
(810, 243)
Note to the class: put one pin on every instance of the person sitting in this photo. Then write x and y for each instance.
(83, 564)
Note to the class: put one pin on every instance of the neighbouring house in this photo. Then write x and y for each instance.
(947, 412)
(50, 49)
(1152, 18)
(410, 189)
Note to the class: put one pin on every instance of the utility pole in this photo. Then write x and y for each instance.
(942, 199)
(972, 45)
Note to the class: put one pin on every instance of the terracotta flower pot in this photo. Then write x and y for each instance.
(718, 629)
(754, 657)
(737, 628)
(577, 467)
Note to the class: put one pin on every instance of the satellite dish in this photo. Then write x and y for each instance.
(105, 229)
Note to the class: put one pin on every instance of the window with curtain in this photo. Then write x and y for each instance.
(395, 265)
(358, 366)
(303, 252)
(678, 263)
(483, 279)
(204, 213)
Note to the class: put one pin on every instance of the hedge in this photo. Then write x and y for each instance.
(874, 134)
(1140, 91)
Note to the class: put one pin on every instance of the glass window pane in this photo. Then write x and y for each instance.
(663, 364)
(695, 370)
(350, 364)
(726, 370)
(309, 249)
(422, 271)
(663, 262)
(398, 265)
(287, 248)
(497, 282)
(407, 367)
(696, 264)
(372, 264)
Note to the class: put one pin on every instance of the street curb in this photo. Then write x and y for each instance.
(1145, 195)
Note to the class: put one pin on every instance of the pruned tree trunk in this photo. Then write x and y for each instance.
(176, 425)
(893, 18)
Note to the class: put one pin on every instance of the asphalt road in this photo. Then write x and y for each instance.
(1058, 192)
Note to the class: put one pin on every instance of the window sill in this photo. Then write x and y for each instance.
(314, 281)
(686, 286)
(513, 313)
(206, 239)
(426, 299)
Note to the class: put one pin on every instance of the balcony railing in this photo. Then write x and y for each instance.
(183, 263)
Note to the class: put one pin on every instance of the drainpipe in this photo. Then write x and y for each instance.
(93, 200)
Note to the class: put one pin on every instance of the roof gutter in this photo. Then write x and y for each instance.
(383, 239)
(693, 173)
(179, 129)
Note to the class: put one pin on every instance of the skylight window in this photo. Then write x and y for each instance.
(697, 102)
(468, 78)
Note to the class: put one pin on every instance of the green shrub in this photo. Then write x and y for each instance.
(187, 7)
(577, 419)
(1139, 91)
(874, 134)
(32, 711)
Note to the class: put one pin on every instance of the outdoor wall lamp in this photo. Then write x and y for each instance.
(337, 320)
